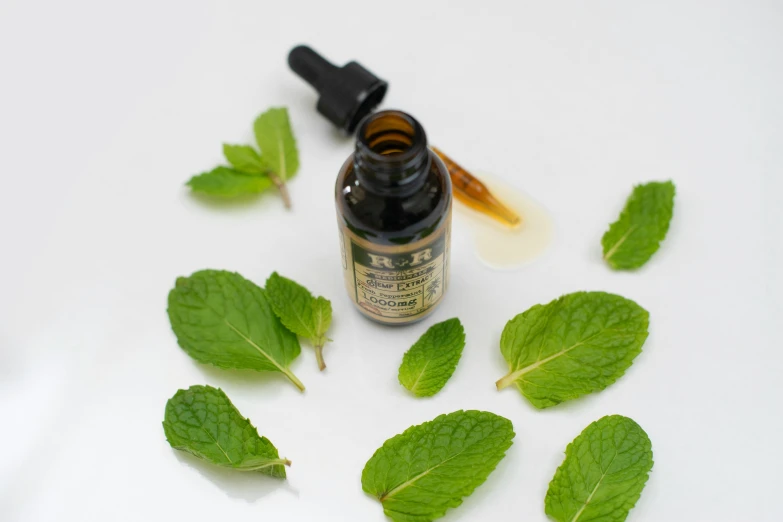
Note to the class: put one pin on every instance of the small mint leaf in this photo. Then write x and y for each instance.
(244, 158)
(203, 422)
(632, 240)
(228, 182)
(277, 143)
(430, 363)
(300, 312)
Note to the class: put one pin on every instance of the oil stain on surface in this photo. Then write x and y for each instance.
(504, 247)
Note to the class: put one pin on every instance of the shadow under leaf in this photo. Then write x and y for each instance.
(270, 382)
(244, 485)
(233, 203)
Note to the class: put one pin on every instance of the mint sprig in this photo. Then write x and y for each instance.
(251, 171)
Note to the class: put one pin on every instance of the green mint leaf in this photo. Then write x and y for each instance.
(632, 240)
(575, 345)
(244, 158)
(202, 421)
(430, 468)
(429, 364)
(300, 312)
(227, 182)
(277, 143)
(221, 318)
(603, 474)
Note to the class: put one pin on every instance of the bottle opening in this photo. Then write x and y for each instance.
(391, 153)
(392, 133)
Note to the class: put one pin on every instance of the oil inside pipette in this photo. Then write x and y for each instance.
(473, 193)
(509, 230)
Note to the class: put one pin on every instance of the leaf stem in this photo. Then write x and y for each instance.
(319, 355)
(293, 379)
(268, 464)
(281, 186)
(506, 381)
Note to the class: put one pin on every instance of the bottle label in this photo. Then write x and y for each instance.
(396, 284)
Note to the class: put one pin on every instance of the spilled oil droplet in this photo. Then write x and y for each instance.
(504, 247)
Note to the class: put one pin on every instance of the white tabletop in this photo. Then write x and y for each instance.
(108, 109)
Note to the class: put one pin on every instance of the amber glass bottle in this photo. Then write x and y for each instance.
(394, 212)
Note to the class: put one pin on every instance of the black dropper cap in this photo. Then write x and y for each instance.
(347, 93)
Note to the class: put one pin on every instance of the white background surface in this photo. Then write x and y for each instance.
(107, 108)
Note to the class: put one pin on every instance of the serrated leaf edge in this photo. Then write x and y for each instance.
(385, 496)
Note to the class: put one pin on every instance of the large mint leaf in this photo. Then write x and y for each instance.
(277, 143)
(223, 319)
(575, 345)
(202, 420)
(300, 312)
(632, 240)
(430, 468)
(603, 474)
(429, 364)
(228, 182)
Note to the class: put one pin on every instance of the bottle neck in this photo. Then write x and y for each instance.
(391, 157)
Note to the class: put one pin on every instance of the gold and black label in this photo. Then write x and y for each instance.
(396, 284)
